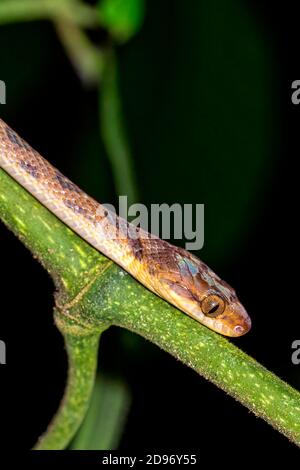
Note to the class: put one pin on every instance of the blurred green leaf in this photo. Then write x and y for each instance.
(113, 131)
(200, 114)
(123, 18)
(105, 419)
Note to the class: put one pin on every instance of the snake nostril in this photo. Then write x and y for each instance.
(239, 329)
(214, 309)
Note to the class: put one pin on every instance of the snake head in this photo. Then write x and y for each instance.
(199, 292)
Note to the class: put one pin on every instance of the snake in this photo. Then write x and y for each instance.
(169, 271)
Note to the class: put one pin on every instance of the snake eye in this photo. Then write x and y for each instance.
(212, 305)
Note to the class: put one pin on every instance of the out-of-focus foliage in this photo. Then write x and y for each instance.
(198, 88)
(103, 425)
(123, 18)
(198, 105)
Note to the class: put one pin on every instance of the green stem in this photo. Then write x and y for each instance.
(12, 11)
(95, 292)
(127, 304)
(82, 356)
(86, 58)
(70, 261)
(113, 131)
(221, 362)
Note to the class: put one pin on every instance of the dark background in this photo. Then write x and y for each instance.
(206, 89)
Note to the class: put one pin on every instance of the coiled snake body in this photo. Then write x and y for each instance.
(171, 272)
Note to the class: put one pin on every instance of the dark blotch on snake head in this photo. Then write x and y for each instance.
(137, 247)
(198, 291)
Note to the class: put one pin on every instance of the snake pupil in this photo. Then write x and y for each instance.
(214, 309)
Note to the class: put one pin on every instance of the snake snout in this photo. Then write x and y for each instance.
(242, 321)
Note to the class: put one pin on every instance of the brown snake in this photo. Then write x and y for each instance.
(170, 272)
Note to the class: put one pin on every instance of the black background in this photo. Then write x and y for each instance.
(172, 407)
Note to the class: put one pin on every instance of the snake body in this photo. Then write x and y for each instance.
(169, 271)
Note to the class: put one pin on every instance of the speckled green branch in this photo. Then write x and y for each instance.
(82, 357)
(93, 293)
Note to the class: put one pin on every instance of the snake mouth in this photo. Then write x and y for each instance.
(242, 329)
(242, 322)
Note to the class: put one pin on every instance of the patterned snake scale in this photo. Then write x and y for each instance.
(169, 271)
